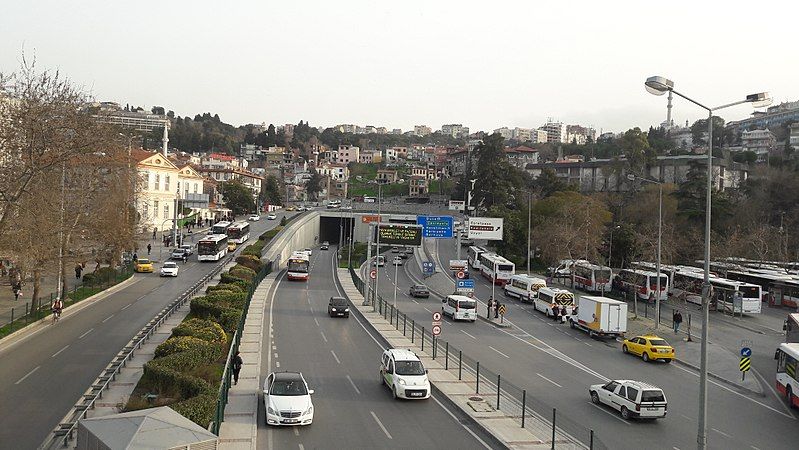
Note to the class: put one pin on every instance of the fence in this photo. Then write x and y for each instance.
(516, 402)
(23, 315)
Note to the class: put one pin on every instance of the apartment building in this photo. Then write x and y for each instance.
(422, 130)
(347, 154)
(455, 130)
(556, 131)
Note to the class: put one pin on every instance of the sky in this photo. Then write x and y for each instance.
(400, 64)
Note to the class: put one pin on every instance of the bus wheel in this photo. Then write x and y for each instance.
(789, 395)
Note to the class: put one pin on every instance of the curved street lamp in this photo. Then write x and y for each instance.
(658, 85)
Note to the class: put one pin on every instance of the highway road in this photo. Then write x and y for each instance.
(556, 365)
(339, 358)
(43, 376)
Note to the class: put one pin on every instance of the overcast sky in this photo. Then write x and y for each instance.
(401, 63)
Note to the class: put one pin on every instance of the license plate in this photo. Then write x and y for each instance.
(416, 394)
(291, 421)
(653, 409)
(663, 351)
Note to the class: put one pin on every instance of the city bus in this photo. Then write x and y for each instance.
(688, 285)
(643, 283)
(298, 266)
(238, 232)
(767, 280)
(212, 247)
(220, 227)
(473, 256)
(787, 357)
(549, 297)
(496, 268)
(591, 277)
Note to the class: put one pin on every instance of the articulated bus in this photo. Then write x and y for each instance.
(220, 227)
(787, 362)
(591, 277)
(473, 256)
(298, 266)
(643, 283)
(689, 285)
(495, 267)
(212, 247)
(238, 232)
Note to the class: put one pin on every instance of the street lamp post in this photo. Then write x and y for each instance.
(610, 248)
(658, 86)
(529, 220)
(632, 177)
(377, 268)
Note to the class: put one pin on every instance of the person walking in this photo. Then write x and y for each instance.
(556, 313)
(185, 258)
(17, 288)
(154, 232)
(677, 320)
(236, 366)
(490, 305)
(149, 249)
(78, 270)
(496, 309)
(563, 314)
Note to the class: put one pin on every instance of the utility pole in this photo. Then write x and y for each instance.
(59, 289)
(175, 219)
(529, 219)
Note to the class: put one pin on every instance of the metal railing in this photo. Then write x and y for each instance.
(516, 402)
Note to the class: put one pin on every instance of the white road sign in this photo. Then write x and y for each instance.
(457, 205)
(489, 228)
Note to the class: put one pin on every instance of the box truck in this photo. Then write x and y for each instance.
(600, 316)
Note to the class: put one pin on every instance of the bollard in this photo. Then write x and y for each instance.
(689, 329)
(433, 338)
(422, 338)
(460, 363)
(554, 413)
(524, 404)
(404, 322)
(413, 329)
(499, 382)
(12, 319)
(446, 356)
(646, 309)
(396, 322)
(591, 440)
(477, 384)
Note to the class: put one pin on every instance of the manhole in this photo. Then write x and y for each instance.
(475, 398)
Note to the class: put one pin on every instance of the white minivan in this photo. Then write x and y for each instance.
(459, 307)
(524, 287)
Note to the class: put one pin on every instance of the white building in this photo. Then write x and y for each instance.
(762, 142)
(346, 128)
(338, 172)
(455, 130)
(793, 139)
(422, 130)
(556, 131)
(505, 132)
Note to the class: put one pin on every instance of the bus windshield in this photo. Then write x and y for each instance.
(298, 265)
(206, 248)
(602, 274)
(749, 291)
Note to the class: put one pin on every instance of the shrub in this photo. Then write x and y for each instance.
(230, 319)
(229, 278)
(254, 249)
(242, 272)
(225, 309)
(232, 287)
(269, 234)
(89, 279)
(206, 330)
(180, 344)
(251, 262)
(199, 409)
(283, 221)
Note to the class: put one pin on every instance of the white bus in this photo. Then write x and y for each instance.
(643, 283)
(238, 232)
(591, 277)
(298, 266)
(688, 285)
(496, 268)
(549, 297)
(212, 247)
(220, 227)
(524, 287)
(787, 362)
(473, 256)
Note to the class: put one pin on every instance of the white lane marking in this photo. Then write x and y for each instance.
(608, 412)
(84, 334)
(587, 343)
(28, 374)
(380, 424)
(461, 424)
(145, 295)
(277, 364)
(414, 300)
(300, 445)
(126, 307)
(353, 385)
(274, 347)
(492, 348)
(721, 432)
(431, 312)
(317, 322)
(323, 336)
(467, 334)
(335, 357)
(58, 352)
(738, 394)
(275, 355)
(773, 392)
(755, 448)
(556, 384)
(297, 433)
(107, 318)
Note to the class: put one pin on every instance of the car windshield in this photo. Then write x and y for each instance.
(338, 301)
(652, 396)
(659, 342)
(170, 265)
(409, 368)
(290, 388)
(144, 261)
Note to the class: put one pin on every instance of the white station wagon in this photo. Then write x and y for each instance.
(631, 398)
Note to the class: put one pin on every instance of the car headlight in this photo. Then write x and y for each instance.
(308, 411)
(401, 381)
(346, 310)
(271, 411)
(333, 309)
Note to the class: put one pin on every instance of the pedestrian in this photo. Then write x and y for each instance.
(185, 258)
(149, 249)
(490, 305)
(555, 313)
(78, 270)
(17, 291)
(496, 309)
(135, 256)
(677, 319)
(236, 366)
(154, 232)
(563, 314)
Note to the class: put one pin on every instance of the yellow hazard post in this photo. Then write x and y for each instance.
(744, 365)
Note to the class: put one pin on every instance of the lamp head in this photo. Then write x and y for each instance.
(658, 85)
(759, 100)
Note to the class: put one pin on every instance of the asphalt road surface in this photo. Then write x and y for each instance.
(42, 377)
(340, 360)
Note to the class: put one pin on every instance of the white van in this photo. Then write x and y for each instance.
(549, 297)
(524, 287)
(459, 307)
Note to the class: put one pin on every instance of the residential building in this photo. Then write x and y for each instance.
(386, 176)
(335, 171)
(347, 154)
(762, 142)
(419, 172)
(396, 131)
(390, 155)
(247, 178)
(793, 138)
(288, 129)
(348, 128)
(538, 136)
(682, 137)
(332, 188)
(458, 160)
(579, 134)
(522, 134)
(381, 130)
(418, 186)
(223, 161)
(400, 152)
(505, 132)
(773, 117)
(556, 131)
(422, 130)
(521, 156)
(455, 130)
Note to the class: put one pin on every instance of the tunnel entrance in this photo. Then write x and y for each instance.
(334, 229)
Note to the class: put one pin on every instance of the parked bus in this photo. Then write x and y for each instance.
(496, 268)
(766, 279)
(298, 266)
(238, 232)
(643, 283)
(473, 256)
(220, 227)
(549, 297)
(212, 247)
(591, 277)
(689, 286)
(524, 287)
(787, 357)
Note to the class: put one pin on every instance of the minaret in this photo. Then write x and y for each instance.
(165, 140)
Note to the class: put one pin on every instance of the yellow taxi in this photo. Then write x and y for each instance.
(290, 208)
(143, 265)
(231, 246)
(649, 348)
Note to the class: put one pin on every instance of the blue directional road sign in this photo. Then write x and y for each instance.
(428, 267)
(435, 226)
(746, 352)
(465, 284)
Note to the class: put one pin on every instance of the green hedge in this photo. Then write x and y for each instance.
(269, 234)
(254, 249)
(206, 330)
(251, 262)
(199, 409)
(231, 287)
(178, 344)
(229, 278)
(225, 308)
(243, 272)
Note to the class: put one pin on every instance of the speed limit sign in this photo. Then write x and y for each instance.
(373, 274)
(436, 330)
(461, 275)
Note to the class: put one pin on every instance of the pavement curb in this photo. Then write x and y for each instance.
(721, 379)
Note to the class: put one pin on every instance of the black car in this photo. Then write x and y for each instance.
(404, 254)
(325, 245)
(338, 306)
(419, 290)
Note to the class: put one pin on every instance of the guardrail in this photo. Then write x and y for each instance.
(505, 396)
(65, 430)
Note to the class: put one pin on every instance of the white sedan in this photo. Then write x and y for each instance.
(254, 218)
(169, 269)
(287, 399)
(272, 216)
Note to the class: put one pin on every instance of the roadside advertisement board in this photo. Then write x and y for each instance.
(399, 234)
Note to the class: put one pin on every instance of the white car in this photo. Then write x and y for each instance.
(300, 208)
(631, 398)
(397, 261)
(403, 373)
(308, 251)
(287, 399)
(272, 216)
(169, 269)
(254, 218)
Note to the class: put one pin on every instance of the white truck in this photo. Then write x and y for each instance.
(600, 316)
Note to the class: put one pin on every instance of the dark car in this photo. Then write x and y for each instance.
(419, 290)
(325, 245)
(338, 306)
(404, 254)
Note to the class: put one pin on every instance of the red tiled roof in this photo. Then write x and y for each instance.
(221, 157)
(141, 155)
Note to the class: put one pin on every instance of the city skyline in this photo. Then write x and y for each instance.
(360, 64)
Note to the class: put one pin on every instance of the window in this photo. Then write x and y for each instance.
(611, 386)
(390, 366)
(195, 188)
(632, 394)
(157, 185)
(623, 391)
(155, 208)
(166, 183)
(166, 212)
